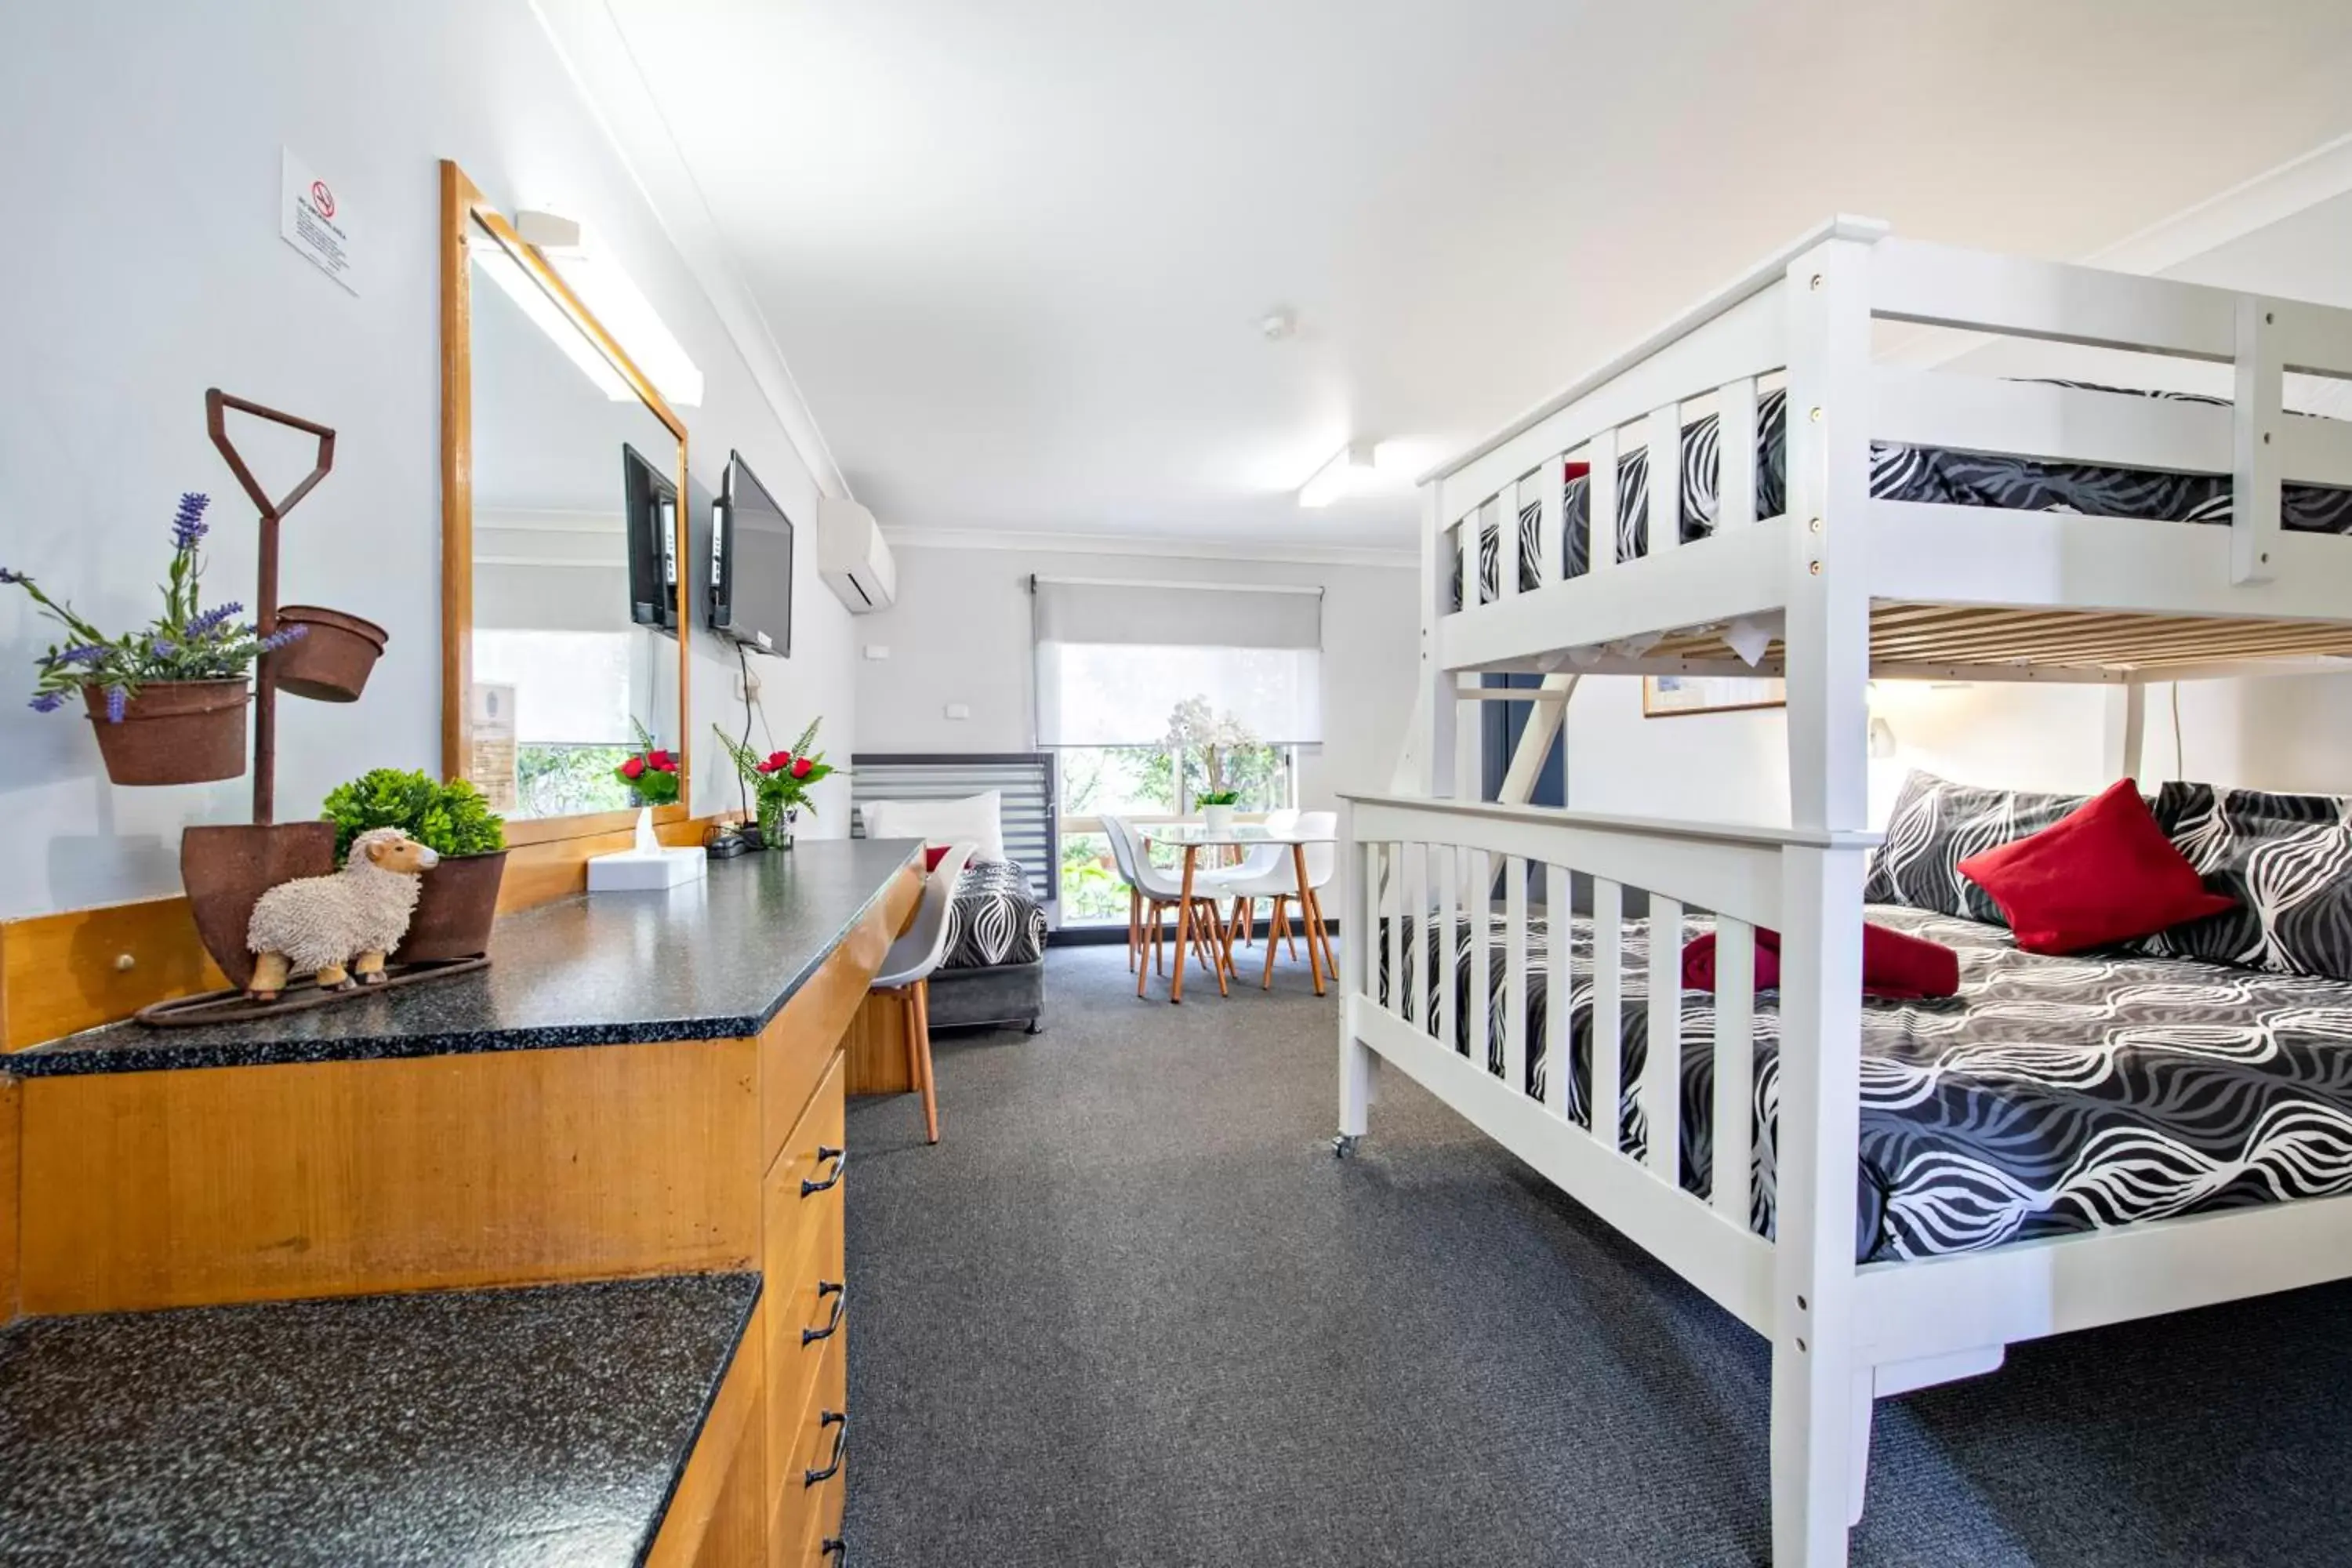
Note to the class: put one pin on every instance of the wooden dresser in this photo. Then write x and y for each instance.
(634, 1088)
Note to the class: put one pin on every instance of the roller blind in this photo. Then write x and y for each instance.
(1115, 659)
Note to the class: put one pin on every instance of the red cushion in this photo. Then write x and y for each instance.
(2104, 873)
(1894, 965)
(933, 854)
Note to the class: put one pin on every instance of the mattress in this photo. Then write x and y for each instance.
(1896, 473)
(992, 920)
(2052, 1096)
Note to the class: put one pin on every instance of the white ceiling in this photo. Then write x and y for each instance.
(1015, 252)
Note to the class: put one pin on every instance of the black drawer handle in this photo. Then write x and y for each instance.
(836, 1548)
(840, 1442)
(840, 1158)
(833, 1325)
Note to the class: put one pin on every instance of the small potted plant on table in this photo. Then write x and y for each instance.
(458, 898)
(168, 701)
(781, 781)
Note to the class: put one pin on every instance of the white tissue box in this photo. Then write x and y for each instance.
(646, 870)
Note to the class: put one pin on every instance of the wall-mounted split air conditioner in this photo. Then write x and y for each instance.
(852, 557)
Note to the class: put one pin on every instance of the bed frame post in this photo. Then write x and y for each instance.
(1819, 1396)
(1435, 705)
(1357, 922)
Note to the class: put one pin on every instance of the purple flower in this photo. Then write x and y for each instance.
(211, 620)
(188, 523)
(161, 647)
(48, 702)
(284, 634)
(86, 653)
(12, 577)
(117, 699)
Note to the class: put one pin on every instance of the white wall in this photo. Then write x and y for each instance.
(960, 633)
(143, 265)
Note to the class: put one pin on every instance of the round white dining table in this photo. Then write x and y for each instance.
(1191, 837)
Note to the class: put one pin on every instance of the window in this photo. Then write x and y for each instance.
(1115, 659)
(1143, 782)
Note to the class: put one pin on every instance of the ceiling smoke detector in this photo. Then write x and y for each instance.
(1278, 326)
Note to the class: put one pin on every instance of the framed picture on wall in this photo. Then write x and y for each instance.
(1673, 695)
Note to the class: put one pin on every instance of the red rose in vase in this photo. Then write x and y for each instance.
(663, 762)
(803, 767)
(634, 768)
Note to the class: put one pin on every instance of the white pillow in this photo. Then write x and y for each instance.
(976, 819)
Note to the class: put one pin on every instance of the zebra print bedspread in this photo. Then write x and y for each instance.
(1896, 473)
(992, 920)
(2051, 1096)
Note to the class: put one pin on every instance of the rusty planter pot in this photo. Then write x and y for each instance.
(456, 903)
(330, 663)
(173, 732)
(226, 871)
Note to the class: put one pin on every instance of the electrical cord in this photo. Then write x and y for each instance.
(742, 785)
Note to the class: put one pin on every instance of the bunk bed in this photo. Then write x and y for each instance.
(1900, 519)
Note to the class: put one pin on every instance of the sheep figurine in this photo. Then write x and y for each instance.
(353, 916)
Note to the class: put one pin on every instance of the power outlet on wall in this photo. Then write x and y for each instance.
(959, 710)
(747, 686)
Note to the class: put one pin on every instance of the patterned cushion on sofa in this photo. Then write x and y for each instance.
(2286, 858)
(1937, 823)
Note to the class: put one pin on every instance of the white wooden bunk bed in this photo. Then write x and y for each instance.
(1837, 587)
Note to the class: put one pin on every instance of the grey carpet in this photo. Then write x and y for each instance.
(1131, 1311)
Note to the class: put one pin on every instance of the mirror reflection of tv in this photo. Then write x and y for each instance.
(752, 564)
(650, 505)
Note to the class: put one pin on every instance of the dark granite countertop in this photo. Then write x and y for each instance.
(711, 961)
(547, 1424)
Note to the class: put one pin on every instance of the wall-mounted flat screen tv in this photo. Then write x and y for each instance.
(751, 563)
(650, 502)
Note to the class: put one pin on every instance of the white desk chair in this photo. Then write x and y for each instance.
(1156, 893)
(907, 971)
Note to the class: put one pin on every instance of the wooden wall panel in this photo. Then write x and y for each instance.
(797, 1046)
(877, 1044)
(204, 1185)
(64, 972)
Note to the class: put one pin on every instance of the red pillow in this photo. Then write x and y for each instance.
(2104, 873)
(933, 854)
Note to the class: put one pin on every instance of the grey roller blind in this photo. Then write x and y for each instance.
(1177, 615)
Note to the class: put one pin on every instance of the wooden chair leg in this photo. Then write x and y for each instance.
(1273, 924)
(906, 1028)
(1205, 946)
(1290, 935)
(922, 992)
(1134, 927)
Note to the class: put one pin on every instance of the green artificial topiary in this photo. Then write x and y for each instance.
(449, 818)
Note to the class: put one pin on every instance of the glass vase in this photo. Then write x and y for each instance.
(776, 823)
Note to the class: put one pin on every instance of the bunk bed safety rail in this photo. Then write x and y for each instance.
(1444, 894)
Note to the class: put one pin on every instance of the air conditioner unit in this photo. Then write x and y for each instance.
(852, 557)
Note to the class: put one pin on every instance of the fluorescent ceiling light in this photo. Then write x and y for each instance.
(616, 301)
(1349, 471)
(548, 316)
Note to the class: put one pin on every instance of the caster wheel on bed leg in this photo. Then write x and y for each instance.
(1343, 1145)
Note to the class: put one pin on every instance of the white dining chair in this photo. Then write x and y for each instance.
(907, 970)
(1159, 892)
(1281, 884)
(1263, 860)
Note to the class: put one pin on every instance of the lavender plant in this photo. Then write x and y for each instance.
(186, 642)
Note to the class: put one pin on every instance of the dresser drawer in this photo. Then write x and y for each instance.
(808, 1319)
(810, 1486)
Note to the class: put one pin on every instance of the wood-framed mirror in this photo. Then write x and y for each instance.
(565, 621)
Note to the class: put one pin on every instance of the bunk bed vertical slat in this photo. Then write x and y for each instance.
(1663, 438)
(1514, 972)
(1355, 905)
(1735, 1066)
(1448, 880)
(1608, 1007)
(1551, 553)
(2256, 417)
(1392, 908)
(1601, 502)
(1416, 923)
(1661, 1066)
(1507, 554)
(1479, 908)
(1734, 446)
(1557, 995)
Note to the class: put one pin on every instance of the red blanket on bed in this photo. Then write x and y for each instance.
(1894, 965)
